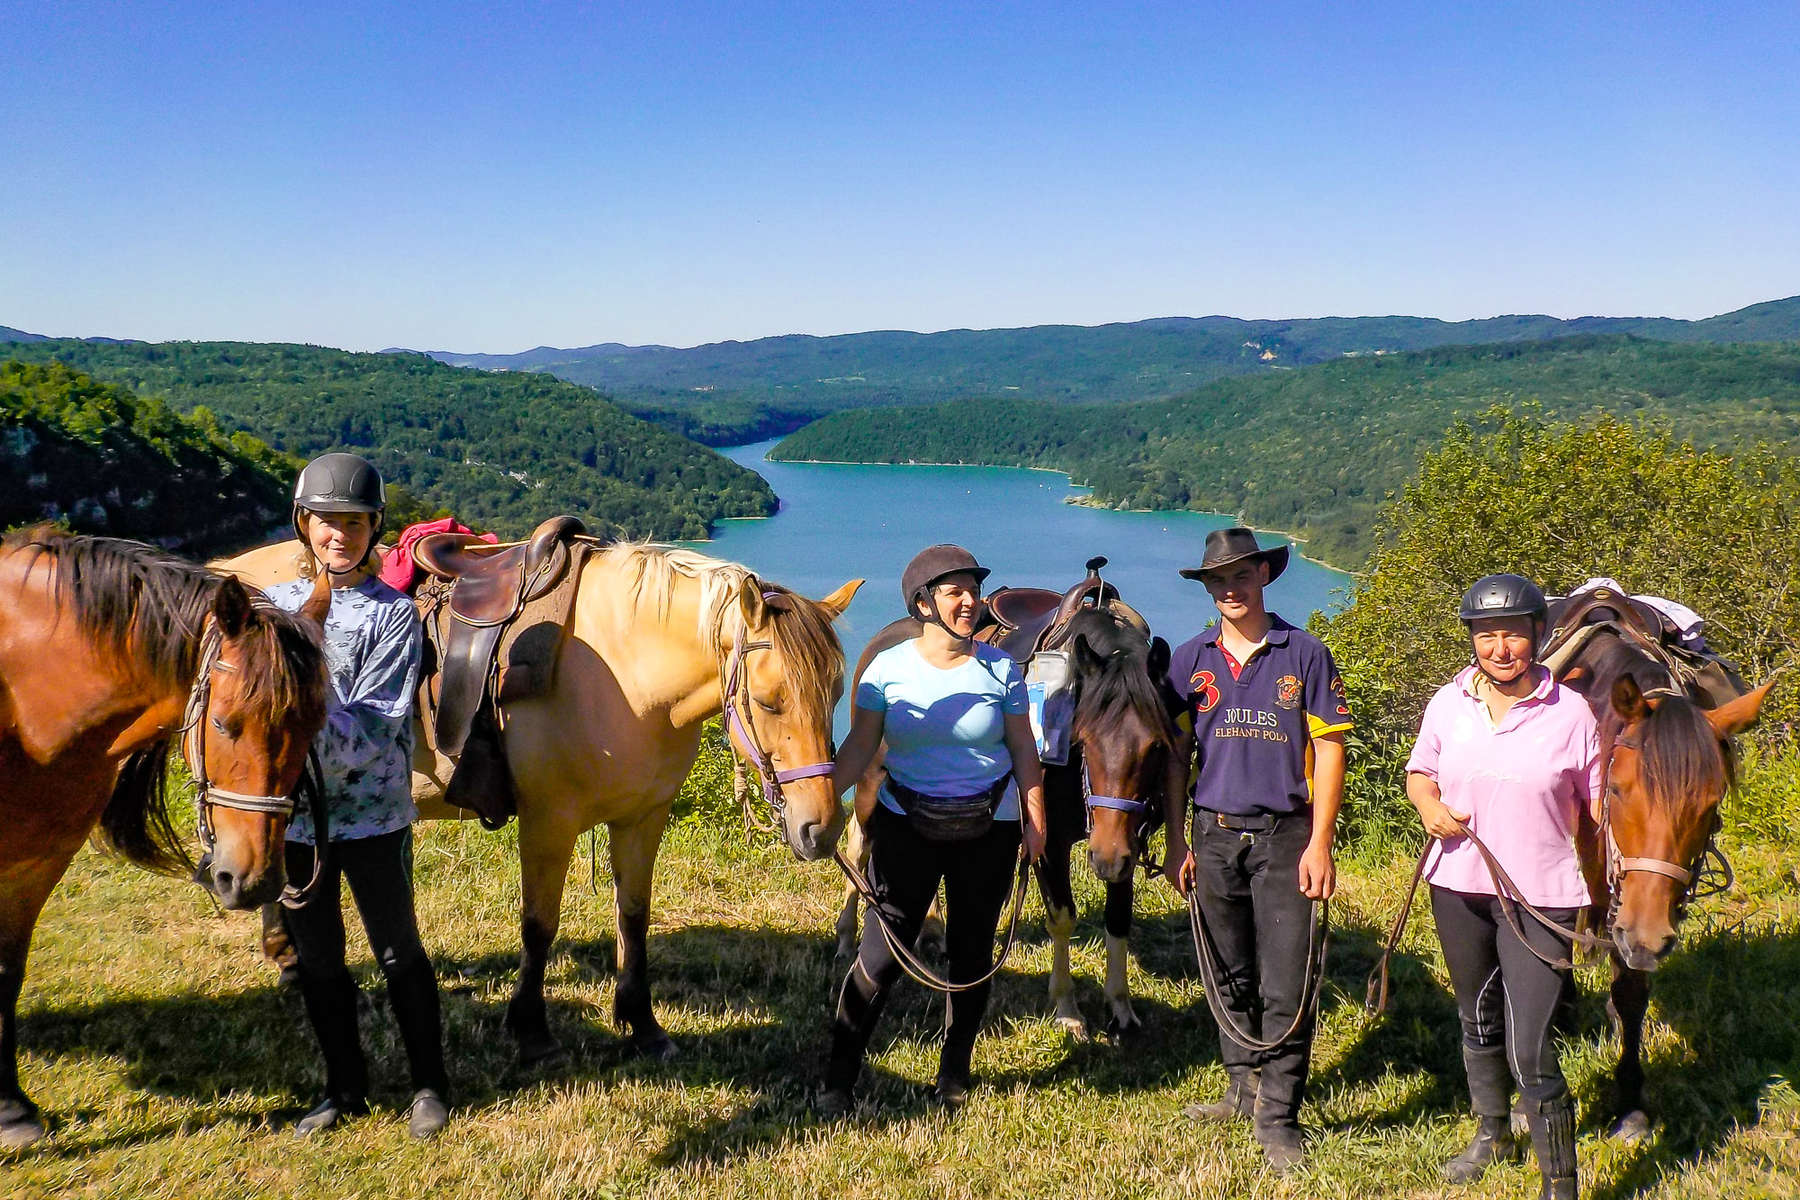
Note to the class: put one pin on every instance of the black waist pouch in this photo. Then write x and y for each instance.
(950, 818)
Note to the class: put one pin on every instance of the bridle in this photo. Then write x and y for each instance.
(209, 796)
(1708, 874)
(1140, 829)
(735, 699)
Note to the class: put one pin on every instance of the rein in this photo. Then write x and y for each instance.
(909, 960)
(209, 796)
(1206, 952)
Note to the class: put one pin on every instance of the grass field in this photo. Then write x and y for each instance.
(171, 1063)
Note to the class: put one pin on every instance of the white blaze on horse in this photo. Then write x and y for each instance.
(655, 636)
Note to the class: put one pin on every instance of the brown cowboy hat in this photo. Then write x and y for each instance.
(1226, 546)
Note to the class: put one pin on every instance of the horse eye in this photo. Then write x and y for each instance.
(223, 729)
(774, 710)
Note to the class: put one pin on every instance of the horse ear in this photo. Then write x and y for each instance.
(231, 607)
(1628, 701)
(318, 603)
(1086, 661)
(1732, 718)
(839, 600)
(750, 600)
(1158, 663)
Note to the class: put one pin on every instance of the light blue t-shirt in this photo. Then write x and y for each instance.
(946, 729)
(373, 643)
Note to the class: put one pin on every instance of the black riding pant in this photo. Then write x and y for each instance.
(1506, 996)
(379, 870)
(904, 872)
(1248, 883)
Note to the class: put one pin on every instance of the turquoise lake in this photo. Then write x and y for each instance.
(840, 522)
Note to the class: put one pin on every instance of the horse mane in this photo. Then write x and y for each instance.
(146, 609)
(801, 630)
(1122, 688)
(1682, 756)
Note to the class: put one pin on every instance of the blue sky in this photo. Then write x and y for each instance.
(485, 178)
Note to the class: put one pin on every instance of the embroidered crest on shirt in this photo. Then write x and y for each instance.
(1287, 691)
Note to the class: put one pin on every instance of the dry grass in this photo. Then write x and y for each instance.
(171, 1064)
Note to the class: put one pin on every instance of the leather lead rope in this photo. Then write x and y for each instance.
(1206, 952)
(908, 959)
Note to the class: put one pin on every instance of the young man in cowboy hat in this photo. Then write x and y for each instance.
(1265, 722)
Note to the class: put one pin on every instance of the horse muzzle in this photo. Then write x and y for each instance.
(1643, 954)
(235, 888)
(1111, 867)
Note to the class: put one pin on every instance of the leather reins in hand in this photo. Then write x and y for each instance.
(1511, 902)
(908, 959)
(1206, 952)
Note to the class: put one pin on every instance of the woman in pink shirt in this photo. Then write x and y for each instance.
(1507, 751)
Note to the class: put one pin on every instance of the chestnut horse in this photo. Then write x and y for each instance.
(1108, 794)
(1669, 763)
(109, 652)
(659, 637)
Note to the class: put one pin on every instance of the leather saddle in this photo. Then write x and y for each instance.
(1707, 677)
(1602, 605)
(489, 586)
(1020, 621)
(1026, 620)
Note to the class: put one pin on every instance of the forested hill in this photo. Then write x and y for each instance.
(502, 451)
(105, 461)
(1316, 450)
(740, 390)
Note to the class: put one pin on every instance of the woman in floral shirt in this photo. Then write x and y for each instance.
(372, 646)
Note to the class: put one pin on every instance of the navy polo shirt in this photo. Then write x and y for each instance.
(1253, 733)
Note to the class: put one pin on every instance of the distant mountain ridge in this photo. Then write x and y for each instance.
(735, 391)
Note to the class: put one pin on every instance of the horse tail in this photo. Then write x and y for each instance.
(136, 824)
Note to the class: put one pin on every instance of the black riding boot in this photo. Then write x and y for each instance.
(331, 1008)
(1553, 1137)
(1237, 1104)
(412, 991)
(858, 1008)
(1490, 1095)
(953, 1078)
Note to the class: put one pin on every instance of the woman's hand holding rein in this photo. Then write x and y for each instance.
(1441, 821)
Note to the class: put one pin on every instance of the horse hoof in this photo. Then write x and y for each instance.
(1124, 1031)
(1633, 1128)
(658, 1046)
(1075, 1027)
(20, 1133)
(541, 1052)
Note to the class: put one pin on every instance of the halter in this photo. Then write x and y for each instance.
(1709, 874)
(209, 796)
(735, 700)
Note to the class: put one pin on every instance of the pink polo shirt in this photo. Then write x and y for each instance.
(1523, 783)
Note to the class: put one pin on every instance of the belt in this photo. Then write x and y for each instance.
(1257, 823)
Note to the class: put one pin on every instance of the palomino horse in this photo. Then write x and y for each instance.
(109, 651)
(1669, 763)
(1108, 794)
(658, 638)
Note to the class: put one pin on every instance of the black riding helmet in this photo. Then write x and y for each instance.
(1506, 596)
(335, 483)
(930, 565)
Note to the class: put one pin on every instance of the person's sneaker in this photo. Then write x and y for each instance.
(1282, 1145)
(329, 1112)
(428, 1114)
(832, 1103)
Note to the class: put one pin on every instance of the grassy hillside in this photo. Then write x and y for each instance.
(169, 1059)
(1316, 450)
(742, 390)
(502, 451)
(102, 460)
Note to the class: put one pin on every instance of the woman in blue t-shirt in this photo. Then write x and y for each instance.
(953, 714)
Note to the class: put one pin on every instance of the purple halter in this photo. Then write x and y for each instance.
(745, 733)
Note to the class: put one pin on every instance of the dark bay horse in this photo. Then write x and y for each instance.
(1121, 732)
(110, 651)
(1669, 763)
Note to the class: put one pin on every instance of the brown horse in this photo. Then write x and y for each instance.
(110, 651)
(1107, 794)
(659, 638)
(1669, 763)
